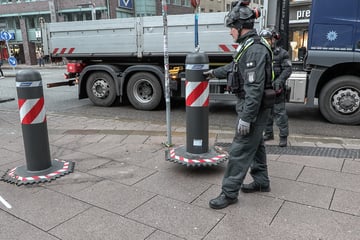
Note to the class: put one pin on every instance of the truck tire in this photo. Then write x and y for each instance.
(144, 91)
(340, 100)
(100, 88)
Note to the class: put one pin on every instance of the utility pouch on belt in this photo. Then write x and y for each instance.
(268, 99)
(233, 81)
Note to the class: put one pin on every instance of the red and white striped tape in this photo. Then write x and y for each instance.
(32, 111)
(197, 94)
(65, 168)
(196, 161)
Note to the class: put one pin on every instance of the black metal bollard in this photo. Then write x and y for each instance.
(39, 167)
(197, 103)
(196, 152)
(33, 120)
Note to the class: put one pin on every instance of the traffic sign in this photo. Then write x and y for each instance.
(5, 35)
(12, 61)
(126, 4)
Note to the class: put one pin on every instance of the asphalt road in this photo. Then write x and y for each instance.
(302, 120)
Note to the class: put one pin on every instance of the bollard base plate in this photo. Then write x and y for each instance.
(213, 157)
(20, 175)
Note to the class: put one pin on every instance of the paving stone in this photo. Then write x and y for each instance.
(174, 185)
(159, 235)
(330, 145)
(303, 193)
(14, 228)
(316, 223)
(99, 149)
(122, 172)
(155, 161)
(8, 156)
(182, 219)
(230, 228)
(83, 161)
(272, 157)
(15, 144)
(111, 139)
(284, 170)
(211, 174)
(114, 197)
(96, 223)
(35, 206)
(73, 183)
(132, 153)
(74, 142)
(345, 181)
(347, 202)
(314, 161)
(351, 166)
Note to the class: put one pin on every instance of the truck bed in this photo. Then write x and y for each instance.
(138, 36)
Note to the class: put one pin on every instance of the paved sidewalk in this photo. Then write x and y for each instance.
(122, 188)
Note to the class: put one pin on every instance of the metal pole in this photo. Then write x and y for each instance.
(167, 79)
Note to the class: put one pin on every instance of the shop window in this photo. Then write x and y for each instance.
(298, 44)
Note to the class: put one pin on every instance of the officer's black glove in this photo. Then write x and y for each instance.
(278, 87)
(209, 74)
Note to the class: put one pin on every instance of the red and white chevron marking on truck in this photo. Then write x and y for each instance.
(228, 47)
(63, 50)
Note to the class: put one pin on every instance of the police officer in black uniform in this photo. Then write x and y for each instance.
(282, 69)
(250, 72)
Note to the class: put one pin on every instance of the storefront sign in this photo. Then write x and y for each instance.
(300, 13)
(303, 14)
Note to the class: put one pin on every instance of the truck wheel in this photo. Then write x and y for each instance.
(340, 100)
(144, 91)
(100, 88)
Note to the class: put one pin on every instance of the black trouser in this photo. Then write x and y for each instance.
(245, 152)
(279, 115)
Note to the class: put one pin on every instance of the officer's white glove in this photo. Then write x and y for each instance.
(243, 127)
(209, 74)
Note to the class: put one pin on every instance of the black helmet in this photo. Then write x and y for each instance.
(266, 34)
(241, 16)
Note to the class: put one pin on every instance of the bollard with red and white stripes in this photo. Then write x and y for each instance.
(39, 166)
(196, 152)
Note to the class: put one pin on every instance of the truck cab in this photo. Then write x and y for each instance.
(333, 60)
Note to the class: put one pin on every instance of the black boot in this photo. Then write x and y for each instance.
(254, 187)
(222, 201)
(268, 136)
(283, 142)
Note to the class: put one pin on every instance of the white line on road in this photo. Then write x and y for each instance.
(5, 202)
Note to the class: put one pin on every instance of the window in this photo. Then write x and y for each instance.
(187, 3)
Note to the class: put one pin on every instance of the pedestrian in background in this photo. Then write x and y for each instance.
(282, 69)
(40, 58)
(249, 73)
(1, 72)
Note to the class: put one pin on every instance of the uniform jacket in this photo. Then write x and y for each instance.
(282, 65)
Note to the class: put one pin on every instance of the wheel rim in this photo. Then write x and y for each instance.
(346, 100)
(143, 91)
(100, 88)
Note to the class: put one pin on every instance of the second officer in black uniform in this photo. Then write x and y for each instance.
(282, 69)
(250, 73)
